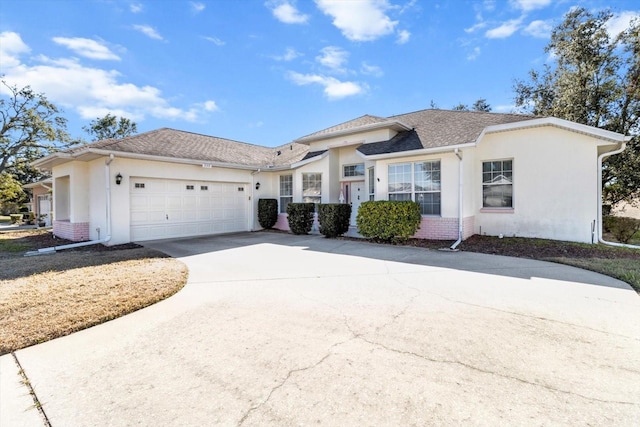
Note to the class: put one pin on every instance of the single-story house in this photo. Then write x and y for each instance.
(40, 201)
(471, 172)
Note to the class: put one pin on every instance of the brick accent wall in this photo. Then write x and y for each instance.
(282, 223)
(434, 228)
(74, 231)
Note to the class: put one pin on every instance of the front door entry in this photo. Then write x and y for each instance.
(356, 196)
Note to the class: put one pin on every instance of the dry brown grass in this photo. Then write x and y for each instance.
(49, 296)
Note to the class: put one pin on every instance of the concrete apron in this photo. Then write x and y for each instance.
(275, 329)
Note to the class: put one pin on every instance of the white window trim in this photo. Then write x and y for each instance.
(412, 192)
(355, 177)
(281, 207)
(498, 209)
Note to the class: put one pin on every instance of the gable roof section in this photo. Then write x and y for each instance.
(166, 143)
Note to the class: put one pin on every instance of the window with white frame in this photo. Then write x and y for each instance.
(312, 188)
(286, 192)
(497, 184)
(372, 184)
(420, 182)
(353, 170)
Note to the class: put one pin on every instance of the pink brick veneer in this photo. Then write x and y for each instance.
(74, 231)
(434, 228)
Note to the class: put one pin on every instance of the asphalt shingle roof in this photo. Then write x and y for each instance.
(430, 129)
(173, 143)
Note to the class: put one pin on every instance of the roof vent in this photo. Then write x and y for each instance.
(278, 153)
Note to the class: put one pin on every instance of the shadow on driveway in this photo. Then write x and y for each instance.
(521, 268)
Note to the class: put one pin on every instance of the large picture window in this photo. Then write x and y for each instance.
(497, 184)
(286, 192)
(312, 188)
(419, 182)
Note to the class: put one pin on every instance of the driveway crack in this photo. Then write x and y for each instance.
(498, 374)
(27, 383)
(288, 376)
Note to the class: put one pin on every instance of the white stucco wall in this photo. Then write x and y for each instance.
(554, 184)
(79, 184)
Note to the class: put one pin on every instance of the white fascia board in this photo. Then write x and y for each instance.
(412, 153)
(311, 160)
(560, 123)
(395, 124)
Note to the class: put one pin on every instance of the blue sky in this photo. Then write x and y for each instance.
(268, 72)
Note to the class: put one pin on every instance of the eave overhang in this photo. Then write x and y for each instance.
(395, 125)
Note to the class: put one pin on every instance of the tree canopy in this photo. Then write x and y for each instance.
(110, 127)
(480, 105)
(594, 80)
(31, 126)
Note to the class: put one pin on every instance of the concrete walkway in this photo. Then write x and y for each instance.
(275, 329)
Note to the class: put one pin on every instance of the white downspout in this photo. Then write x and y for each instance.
(458, 154)
(599, 200)
(53, 249)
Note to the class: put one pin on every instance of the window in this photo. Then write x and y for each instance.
(353, 170)
(139, 185)
(190, 187)
(312, 187)
(419, 182)
(204, 187)
(497, 184)
(372, 184)
(286, 192)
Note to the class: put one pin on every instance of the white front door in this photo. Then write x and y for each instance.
(44, 208)
(356, 196)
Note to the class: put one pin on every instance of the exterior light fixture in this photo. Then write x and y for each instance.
(257, 185)
(119, 178)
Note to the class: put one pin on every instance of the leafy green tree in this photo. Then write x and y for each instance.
(110, 127)
(12, 196)
(461, 107)
(31, 126)
(593, 80)
(481, 105)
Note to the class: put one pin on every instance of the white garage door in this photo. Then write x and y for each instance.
(163, 208)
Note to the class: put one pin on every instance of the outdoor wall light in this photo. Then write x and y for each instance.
(257, 185)
(119, 178)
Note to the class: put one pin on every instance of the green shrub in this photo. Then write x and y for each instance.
(388, 220)
(300, 217)
(267, 212)
(30, 218)
(334, 218)
(623, 228)
(608, 222)
(15, 218)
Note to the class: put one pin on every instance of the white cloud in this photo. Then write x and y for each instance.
(197, 7)
(285, 12)
(529, 5)
(289, 55)
(477, 26)
(87, 47)
(403, 36)
(505, 30)
(148, 31)
(214, 40)
(363, 20)
(504, 108)
(621, 21)
(333, 57)
(90, 91)
(333, 88)
(11, 46)
(474, 54)
(372, 70)
(540, 29)
(135, 7)
(210, 106)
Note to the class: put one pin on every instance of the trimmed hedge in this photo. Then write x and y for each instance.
(334, 218)
(300, 217)
(16, 218)
(388, 220)
(267, 212)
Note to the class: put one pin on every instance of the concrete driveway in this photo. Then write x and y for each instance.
(275, 329)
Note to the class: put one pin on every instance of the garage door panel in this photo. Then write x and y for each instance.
(173, 208)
